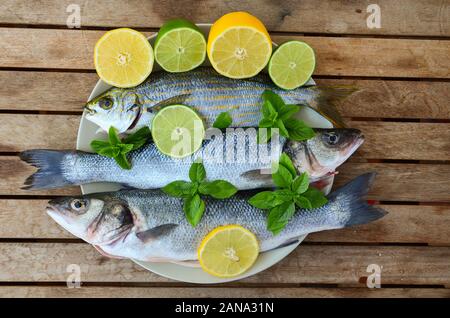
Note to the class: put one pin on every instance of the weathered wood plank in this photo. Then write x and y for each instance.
(73, 49)
(13, 174)
(44, 262)
(384, 140)
(401, 182)
(375, 98)
(395, 182)
(27, 219)
(402, 17)
(217, 292)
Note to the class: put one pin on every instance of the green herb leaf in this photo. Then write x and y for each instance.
(268, 110)
(283, 195)
(283, 131)
(178, 188)
(287, 163)
(264, 135)
(282, 178)
(275, 100)
(279, 216)
(219, 189)
(298, 130)
(302, 202)
(193, 208)
(197, 172)
(266, 123)
(125, 148)
(98, 145)
(288, 111)
(139, 138)
(316, 197)
(301, 183)
(264, 200)
(122, 161)
(109, 151)
(112, 135)
(223, 121)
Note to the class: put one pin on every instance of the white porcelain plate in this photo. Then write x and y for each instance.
(88, 131)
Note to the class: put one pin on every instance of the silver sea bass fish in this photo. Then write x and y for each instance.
(209, 94)
(148, 225)
(234, 157)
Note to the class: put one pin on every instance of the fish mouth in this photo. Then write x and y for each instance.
(89, 110)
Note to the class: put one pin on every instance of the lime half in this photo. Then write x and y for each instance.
(177, 131)
(180, 46)
(292, 64)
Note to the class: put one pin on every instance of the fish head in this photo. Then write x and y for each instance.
(97, 220)
(116, 107)
(327, 150)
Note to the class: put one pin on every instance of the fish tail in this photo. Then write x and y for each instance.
(49, 164)
(352, 201)
(328, 97)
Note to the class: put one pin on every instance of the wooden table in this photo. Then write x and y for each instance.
(402, 70)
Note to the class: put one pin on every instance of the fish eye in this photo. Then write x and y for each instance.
(78, 204)
(331, 138)
(105, 103)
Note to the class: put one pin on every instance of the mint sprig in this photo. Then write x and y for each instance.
(223, 121)
(118, 149)
(194, 206)
(277, 114)
(293, 190)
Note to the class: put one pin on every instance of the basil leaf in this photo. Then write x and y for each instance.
(122, 161)
(287, 111)
(302, 202)
(283, 195)
(125, 148)
(223, 121)
(178, 188)
(287, 163)
(194, 207)
(268, 110)
(298, 130)
(264, 200)
(316, 197)
(98, 145)
(266, 123)
(282, 128)
(282, 178)
(279, 216)
(110, 151)
(301, 183)
(139, 138)
(275, 100)
(218, 189)
(112, 135)
(264, 135)
(197, 172)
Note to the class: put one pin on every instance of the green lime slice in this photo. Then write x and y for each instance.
(292, 64)
(178, 131)
(180, 46)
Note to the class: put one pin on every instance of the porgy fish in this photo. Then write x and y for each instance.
(209, 94)
(233, 156)
(151, 226)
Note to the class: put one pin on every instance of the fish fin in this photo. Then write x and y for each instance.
(49, 174)
(124, 186)
(155, 232)
(354, 204)
(177, 99)
(256, 175)
(328, 97)
(193, 264)
(101, 251)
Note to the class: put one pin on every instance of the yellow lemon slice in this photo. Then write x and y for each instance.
(123, 57)
(239, 45)
(228, 251)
